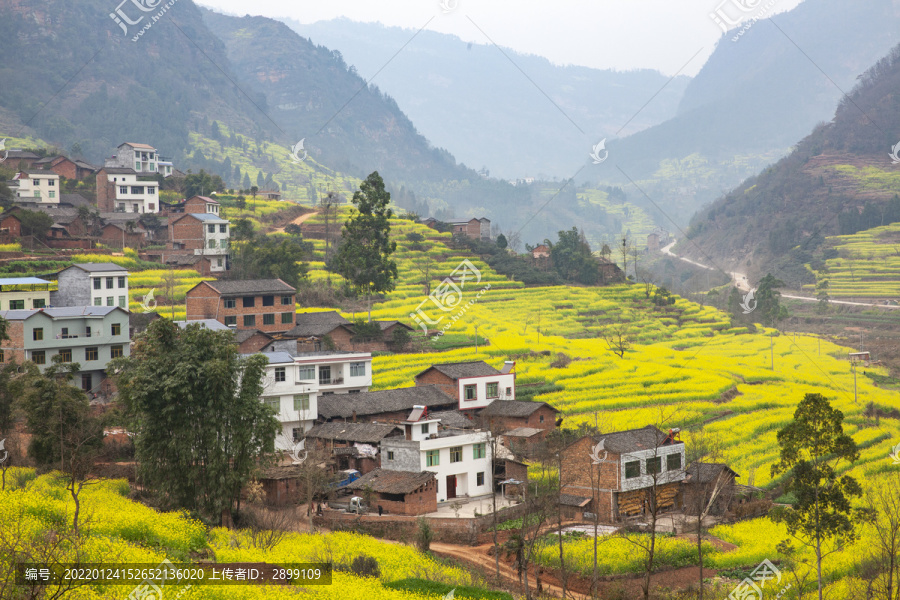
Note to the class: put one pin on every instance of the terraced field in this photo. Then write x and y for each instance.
(867, 265)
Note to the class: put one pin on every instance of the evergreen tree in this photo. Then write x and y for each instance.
(363, 258)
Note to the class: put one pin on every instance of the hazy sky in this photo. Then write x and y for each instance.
(618, 34)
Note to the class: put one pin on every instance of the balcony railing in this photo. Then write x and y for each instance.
(331, 381)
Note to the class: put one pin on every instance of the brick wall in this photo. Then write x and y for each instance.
(113, 236)
(417, 503)
(435, 377)
(473, 229)
(106, 192)
(254, 343)
(12, 223)
(577, 472)
(65, 168)
(187, 232)
(195, 206)
(203, 302)
(532, 420)
(14, 347)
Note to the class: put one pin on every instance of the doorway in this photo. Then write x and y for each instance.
(451, 487)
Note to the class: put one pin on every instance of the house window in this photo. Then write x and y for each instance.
(540, 418)
(301, 402)
(115, 351)
(432, 458)
(87, 382)
(151, 191)
(287, 300)
(297, 433)
(325, 375)
(478, 451)
(654, 465)
(16, 305)
(211, 228)
(632, 469)
(123, 189)
(274, 404)
(212, 243)
(390, 455)
(97, 283)
(35, 182)
(249, 320)
(110, 301)
(37, 334)
(456, 454)
(121, 207)
(65, 356)
(109, 282)
(137, 189)
(307, 373)
(232, 320)
(230, 303)
(358, 369)
(39, 357)
(98, 301)
(269, 319)
(673, 462)
(51, 194)
(470, 392)
(479, 479)
(287, 318)
(151, 207)
(64, 332)
(268, 300)
(87, 331)
(51, 182)
(509, 392)
(249, 301)
(223, 228)
(423, 428)
(121, 282)
(91, 354)
(218, 262)
(493, 390)
(115, 329)
(280, 374)
(122, 302)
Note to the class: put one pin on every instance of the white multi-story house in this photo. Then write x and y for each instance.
(92, 284)
(294, 382)
(122, 189)
(140, 157)
(475, 384)
(459, 458)
(36, 186)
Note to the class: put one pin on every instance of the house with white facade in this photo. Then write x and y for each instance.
(459, 458)
(294, 383)
(122, 189)
(92, 284)
(474, 384)
(24, 293)
(36, 186)
(142, 158)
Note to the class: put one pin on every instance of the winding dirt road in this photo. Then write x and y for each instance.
(741, 282)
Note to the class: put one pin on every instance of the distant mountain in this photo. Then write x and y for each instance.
(752, 101)
(470, 99)
(839, 180)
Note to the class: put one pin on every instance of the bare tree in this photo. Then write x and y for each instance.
(646, 277)
(328, 208)
(880, 578)
(618, 339)
(623, 250)
(426, 266)
(513, 240)
(317, 475)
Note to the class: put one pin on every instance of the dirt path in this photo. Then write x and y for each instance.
(296, 221)
(740, 281)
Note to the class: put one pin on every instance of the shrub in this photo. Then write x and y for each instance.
(424, 535)
(365, 566)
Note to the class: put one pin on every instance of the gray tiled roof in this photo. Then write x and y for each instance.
(570, 500)
(459, 370)
(242, 335)
(250, 286)
(98, 267)
(373, 403)
(633, 440)
(119, 171)
(708, 472)
(523, 432)
(383, 481)
(60, 312)
(316, 324)
(452, 418)
(368, 433)
(205, 323)
(513, 408)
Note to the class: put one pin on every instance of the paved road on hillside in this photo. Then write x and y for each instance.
(741, 282)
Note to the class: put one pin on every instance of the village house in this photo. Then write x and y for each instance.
(399, 492)
(201, 234)
(121, 189)
(65, 167)
(141, 158)
(539, 252)
(88, 335)
(10, 228)
(708, 485)
(91, 284)
(36, 186)
(460, 459)
(476, 229)
(329, 330)
(261, 304)
(384, 406)
(122, 235)
(474, 384)
(351, 445)
(618, 471)
(505, 415)
(294, 385)
(24, 293)
(21, 159)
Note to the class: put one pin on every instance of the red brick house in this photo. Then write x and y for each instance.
(328, 330)
(251, 341)
(65, 167)
(266, 305)
(196, 205)
(10, 227)
(400, 492)
(477, 229)
(474, 384)
(352, 445)
(118, 235)
(541, 251)
(507, 415)
(620, 472)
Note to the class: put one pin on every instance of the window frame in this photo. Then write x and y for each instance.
(479, 479)
(355, 368)
(116, 351)
(657, 468)
(432, 458)
(287, 318)
(91, 350)
(632, 464)
(304, 402)
(37, 334)
(479, 451)
(669, 461)
(280, 374)
(496, 388)
(249, 320)
(287, 300)
(39, 354)
(115, 329)
(456, 454)
(230, 303)
(65, 355)
(473, 387)
(231, 320)
(268, 319)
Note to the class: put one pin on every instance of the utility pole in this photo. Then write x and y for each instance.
(476, 339)
(854, 382)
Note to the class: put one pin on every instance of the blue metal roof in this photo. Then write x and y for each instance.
(22, 281)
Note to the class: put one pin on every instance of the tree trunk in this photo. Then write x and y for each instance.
(700, 553)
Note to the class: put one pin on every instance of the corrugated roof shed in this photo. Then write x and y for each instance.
(383, 481)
